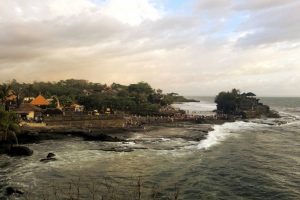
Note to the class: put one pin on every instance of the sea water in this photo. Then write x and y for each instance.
(259, 159)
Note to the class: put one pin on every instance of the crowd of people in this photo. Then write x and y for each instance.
(139, 121)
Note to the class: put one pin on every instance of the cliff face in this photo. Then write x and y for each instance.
(260, 111)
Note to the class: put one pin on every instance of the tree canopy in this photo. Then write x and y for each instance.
(245, 105)
(137, 98)
(234, 102)
(8, 125)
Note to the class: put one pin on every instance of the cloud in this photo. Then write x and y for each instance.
(259, 5)
(273, 25)
(213, 4)
(132, 12)
(211, 46)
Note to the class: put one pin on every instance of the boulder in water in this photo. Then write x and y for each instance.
(20, 151)
(45, 160)
(11, 191)
(50, 157)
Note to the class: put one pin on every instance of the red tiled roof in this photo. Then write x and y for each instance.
(40, 101)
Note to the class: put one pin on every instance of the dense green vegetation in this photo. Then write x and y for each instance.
(242, 104)
(8, 126)
(139, 98)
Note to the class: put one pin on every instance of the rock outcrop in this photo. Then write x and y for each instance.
(13, 191)
(20, 151)
(50, 157)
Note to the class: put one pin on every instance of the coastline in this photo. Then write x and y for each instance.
(118, 129)
(135, 137)
(114, 130)
(106, 130)
(30, 134)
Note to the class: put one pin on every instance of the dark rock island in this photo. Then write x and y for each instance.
(242, 105)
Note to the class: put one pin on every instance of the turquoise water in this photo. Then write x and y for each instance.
(259, 159)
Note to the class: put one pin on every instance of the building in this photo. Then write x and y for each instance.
(28, 99)
(10, 101)
(11, 96)
(77, 108)
(27, 111)
(40, 101)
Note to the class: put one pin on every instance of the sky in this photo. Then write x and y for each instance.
(192, 47)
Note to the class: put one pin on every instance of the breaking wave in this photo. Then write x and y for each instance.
(223, 132)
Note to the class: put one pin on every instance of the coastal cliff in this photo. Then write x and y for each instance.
(235, 104)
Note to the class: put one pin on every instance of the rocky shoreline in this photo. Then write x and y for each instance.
(37, 134)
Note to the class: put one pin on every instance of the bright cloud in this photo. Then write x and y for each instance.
(132, 12)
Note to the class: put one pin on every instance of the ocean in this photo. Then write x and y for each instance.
(257, 159)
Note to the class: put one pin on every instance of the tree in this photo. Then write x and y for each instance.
(131, 99)
(140, 87)
(227, 102)
(64, 101)
(4, 92)
(245, 105)
(140, 91)
(235, 92)
(8, 125)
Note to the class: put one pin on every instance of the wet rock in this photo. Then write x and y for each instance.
(278, 122)
(140, 148)
(20, 151)
(45, 160)
(164, 148)
(119, 149)
(11, 191)
(50, 157)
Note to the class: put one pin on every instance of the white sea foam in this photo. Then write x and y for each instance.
(289, 118)
(196, 107)
(165, 139)
(130, 143)
(223, 132)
